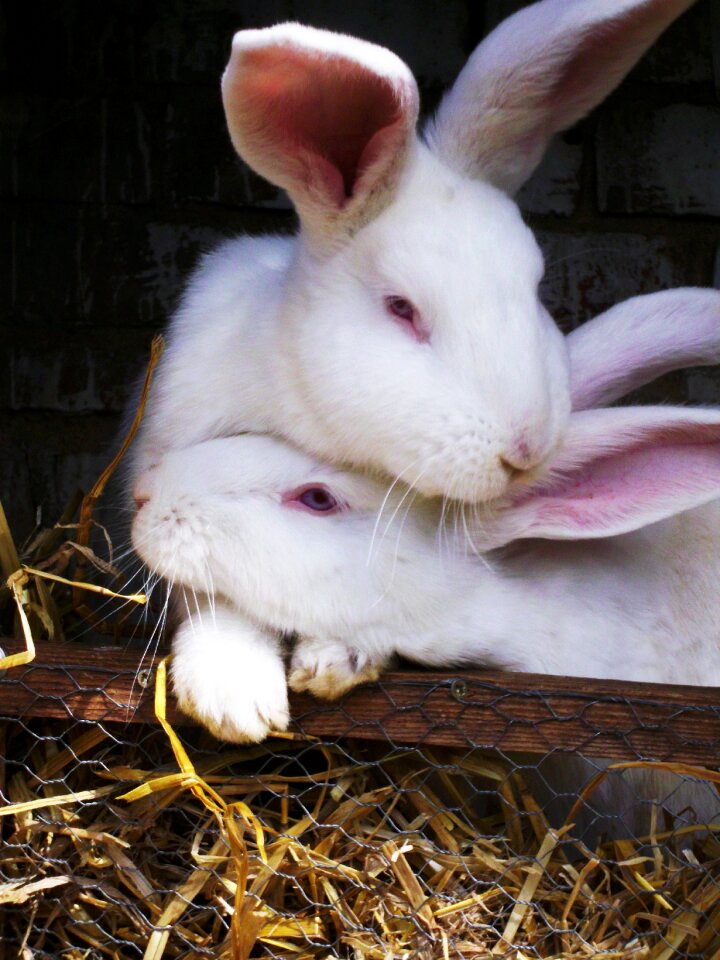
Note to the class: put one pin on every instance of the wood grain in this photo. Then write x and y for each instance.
(463, 709)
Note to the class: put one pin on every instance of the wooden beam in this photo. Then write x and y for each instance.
(461, 709)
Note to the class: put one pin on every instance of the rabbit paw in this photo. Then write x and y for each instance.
(329, 668)
(231, 679)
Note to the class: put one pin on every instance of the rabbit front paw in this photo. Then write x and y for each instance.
(329, 668)
(232, 681)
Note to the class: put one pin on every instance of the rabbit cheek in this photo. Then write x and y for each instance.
(172, 541)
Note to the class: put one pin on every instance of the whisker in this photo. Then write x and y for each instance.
(152, 643)
(209, 589)
(410, 503)
(382, 508)
(410, 490)
(441, 531)
(469, 541)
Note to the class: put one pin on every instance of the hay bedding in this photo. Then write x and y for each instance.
(314, 850)
(130, 842)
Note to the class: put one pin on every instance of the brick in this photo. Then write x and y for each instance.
(671, 388)
(56, 45)
(199, 161)
(427, 35)
(111, 44)
(17, 501)
(120, 271)
(587, 273)
(495, 11)
(190, 42)
(107, 148)
(77, 470)
(116, 151)
(715, 35)
(88, 150)
(72, 371)
(664, 162)
(46, 458)
(703, 386)
(683, 53)
(555, 185)
(36, 266)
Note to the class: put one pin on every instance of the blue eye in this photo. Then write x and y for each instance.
(407, 316)
(318, 498)
(401, 308)
(312, 498)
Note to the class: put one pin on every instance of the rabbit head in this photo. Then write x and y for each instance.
(283, 537)
(299, 545)
(411, 334)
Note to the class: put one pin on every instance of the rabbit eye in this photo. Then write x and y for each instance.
(312, 499)
(407, 315)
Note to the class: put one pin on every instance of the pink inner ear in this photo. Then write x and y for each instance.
(626, 492)
(327, 117)
(618, 470)
(601, 56)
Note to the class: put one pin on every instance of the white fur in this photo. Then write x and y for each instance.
(538, 73)
(291, 335)
(267, 339)
(303, 104)
(377, 60)
(609, 608)
(229, 674)
(640, 339)
(392, 574)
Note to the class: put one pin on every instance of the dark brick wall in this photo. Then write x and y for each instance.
(116, 172)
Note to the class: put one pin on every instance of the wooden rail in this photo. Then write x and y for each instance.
(510, 711)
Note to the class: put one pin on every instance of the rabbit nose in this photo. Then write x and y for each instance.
(521, 456)
(141, 493)
(143, 488)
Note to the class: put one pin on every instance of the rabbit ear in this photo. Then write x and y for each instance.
(619, 470)
(538, 73)
(639, 340)
(329, 118)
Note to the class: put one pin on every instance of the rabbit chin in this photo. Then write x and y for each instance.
(173, 548)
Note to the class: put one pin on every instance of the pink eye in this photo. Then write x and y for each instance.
(313, 498)
(405, 313)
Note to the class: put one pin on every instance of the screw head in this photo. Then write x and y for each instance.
(459, 689)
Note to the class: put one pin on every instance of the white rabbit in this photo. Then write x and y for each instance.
(284, 543)
(640, 339)
(401, 330)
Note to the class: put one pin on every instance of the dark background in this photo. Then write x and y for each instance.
(116, 172)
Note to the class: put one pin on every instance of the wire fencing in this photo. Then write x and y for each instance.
(429, 815)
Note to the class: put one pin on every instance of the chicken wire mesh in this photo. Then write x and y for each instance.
(429, 815)
(425, 816)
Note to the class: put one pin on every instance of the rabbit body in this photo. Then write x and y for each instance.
(401, 334)
(380, 578)
(215, 522)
